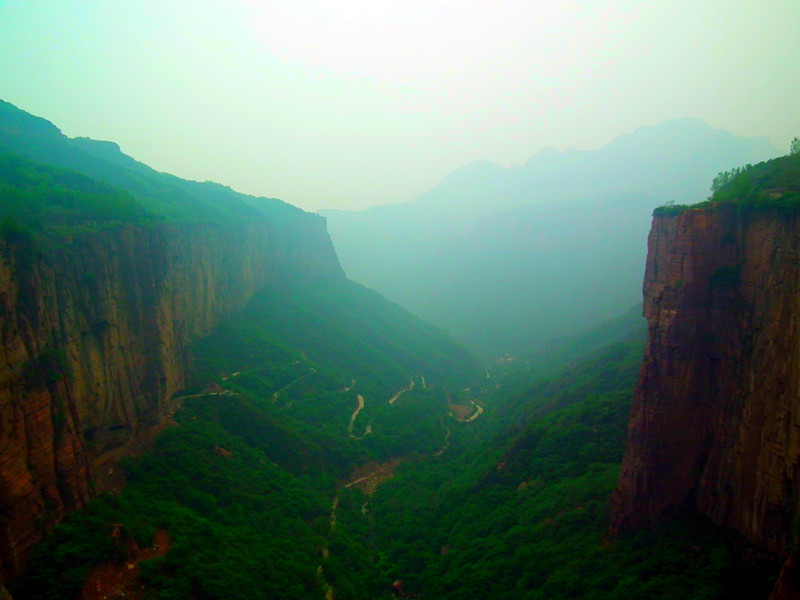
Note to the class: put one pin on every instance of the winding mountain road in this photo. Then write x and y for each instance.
(353, 419)
(399, 393)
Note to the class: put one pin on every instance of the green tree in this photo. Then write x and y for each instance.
(724, 178)
(794, 146)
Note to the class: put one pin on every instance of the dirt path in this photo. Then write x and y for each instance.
(334, 506)
(460, 412)
(288, 385)
(410, 387)
(466, 413)
(175, 403)
(113, 580)
(445, 444)
(370, 476)
(354, 415)
(367, 479)
(478, 412)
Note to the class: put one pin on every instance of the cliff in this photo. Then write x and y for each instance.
(93, 334)
(715, 422)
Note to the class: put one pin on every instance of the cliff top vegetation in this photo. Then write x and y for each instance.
(40, 197)
(160, 194)
(773, 185)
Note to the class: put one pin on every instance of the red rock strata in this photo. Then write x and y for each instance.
(93, 336)
(715, 423)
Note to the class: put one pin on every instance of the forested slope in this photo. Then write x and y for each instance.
(258, 483)
(288, 397)
(524, 514)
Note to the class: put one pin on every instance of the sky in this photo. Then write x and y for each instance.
(355, 103)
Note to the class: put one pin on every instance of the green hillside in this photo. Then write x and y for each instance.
(332, 445)
(41, 197)
(523, 514)
(320, 348)
(160, 194)
(245, 481)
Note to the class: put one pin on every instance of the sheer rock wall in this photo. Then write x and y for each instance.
(715, 422)
(93, 337)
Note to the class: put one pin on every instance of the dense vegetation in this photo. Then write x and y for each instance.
(767, 186)
(512, 505)
(309, 391)
(245, 523)
(244, 483)
(39, 197)
(160, 194)
(526, 517)
(323, 347)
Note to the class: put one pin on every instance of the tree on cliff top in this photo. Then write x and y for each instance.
(725, 177)
(794, 146)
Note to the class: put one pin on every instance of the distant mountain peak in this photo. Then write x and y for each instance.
(673, 136)
(15, 121)
(680, 123)
(675, 130)
(478, 168)
(489, 251)
(86, 143)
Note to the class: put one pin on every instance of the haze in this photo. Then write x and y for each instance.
(352, 104)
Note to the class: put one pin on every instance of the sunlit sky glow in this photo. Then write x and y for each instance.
(348, 104)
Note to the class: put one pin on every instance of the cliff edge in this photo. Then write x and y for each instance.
(99, 298)
(715, 422)
(93, 345)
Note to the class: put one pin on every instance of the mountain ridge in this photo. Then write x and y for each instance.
(162, 194)
(412, 252)
(102, 294)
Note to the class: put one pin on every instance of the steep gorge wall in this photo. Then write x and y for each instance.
(93, 336)
(715, 423)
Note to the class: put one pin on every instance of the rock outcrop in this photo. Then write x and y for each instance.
(715, 423)
(93, 336)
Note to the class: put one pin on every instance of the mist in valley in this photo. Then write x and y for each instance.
(509, 259)
(344, 300)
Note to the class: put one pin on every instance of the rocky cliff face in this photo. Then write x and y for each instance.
(715, 423)
(93, 336)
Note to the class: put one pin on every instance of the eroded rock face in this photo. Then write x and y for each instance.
(93, 332)
(715, 422)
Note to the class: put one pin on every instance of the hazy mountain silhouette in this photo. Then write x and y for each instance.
(506, 258)
(162, 194)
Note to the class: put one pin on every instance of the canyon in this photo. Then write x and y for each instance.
(97, 319)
